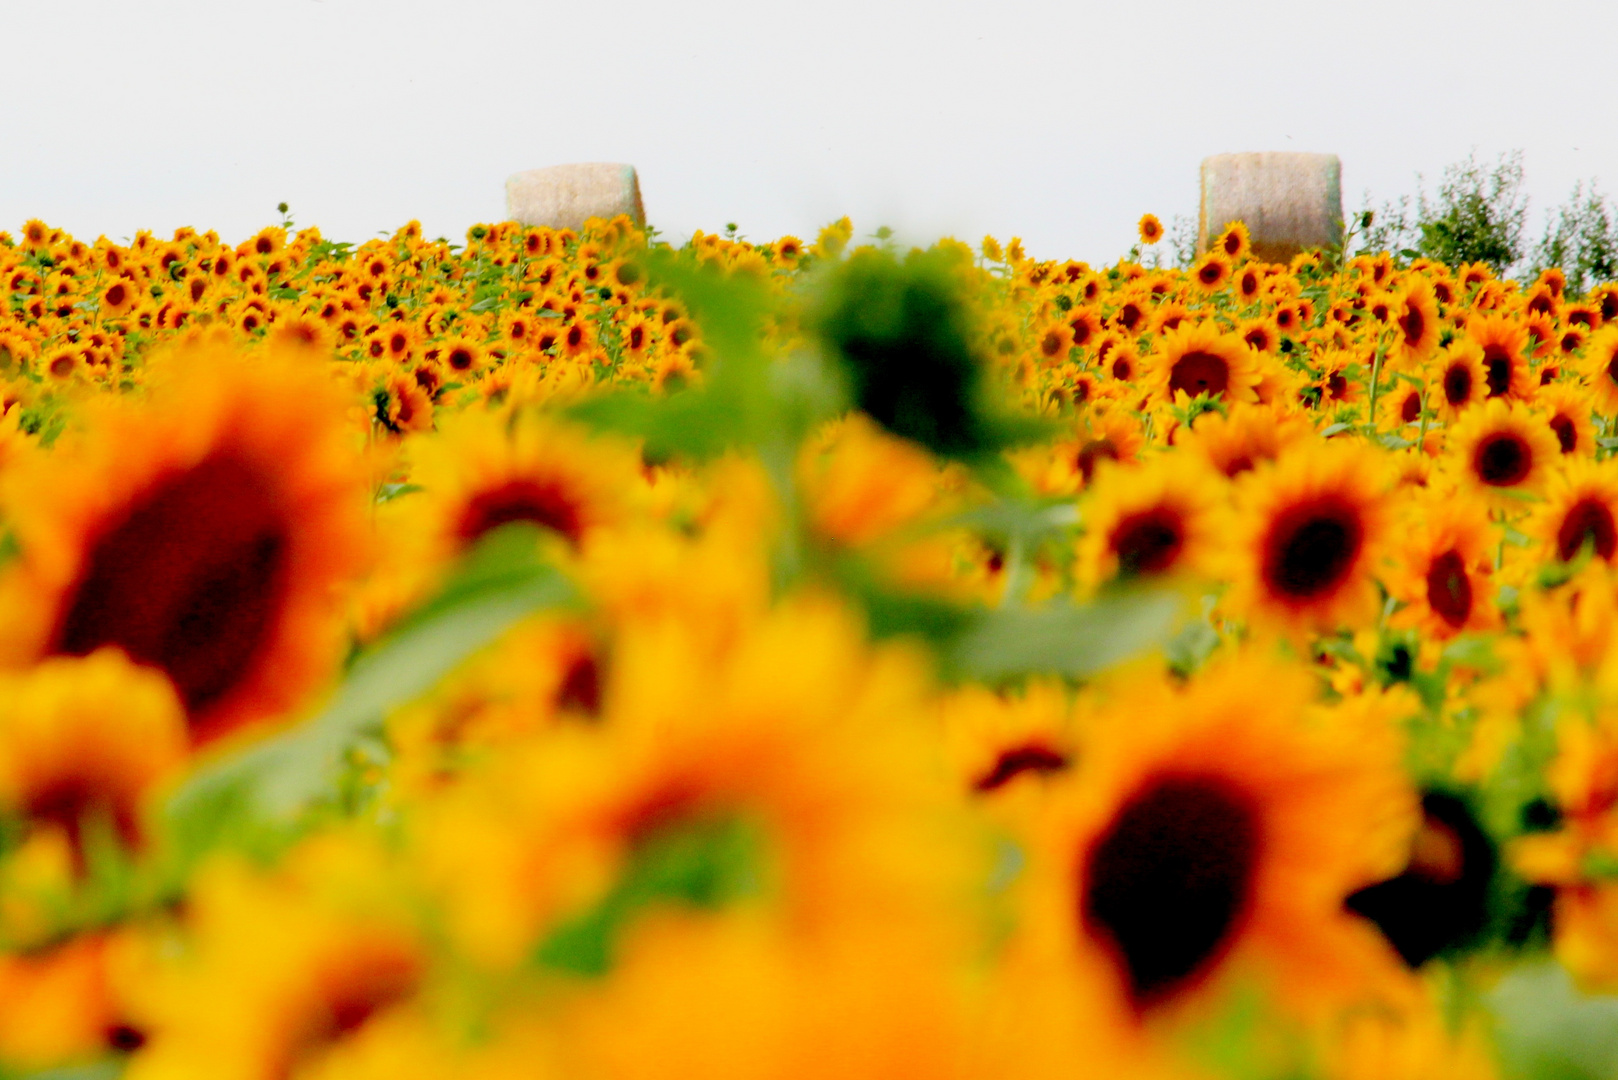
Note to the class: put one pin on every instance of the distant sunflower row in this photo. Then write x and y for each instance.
(562, 654)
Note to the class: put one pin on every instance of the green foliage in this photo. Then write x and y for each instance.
(700, 864)
(1582, 239)
(748, 399)
(1478, 216)
(904, 332)
(1549, 1031)
(499, 582)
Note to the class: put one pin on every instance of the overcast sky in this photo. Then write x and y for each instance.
(1061, 122)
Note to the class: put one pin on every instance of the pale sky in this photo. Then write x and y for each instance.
(1061, 122)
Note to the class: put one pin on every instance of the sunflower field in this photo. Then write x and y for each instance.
(567, 654)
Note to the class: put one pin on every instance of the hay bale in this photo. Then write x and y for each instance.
(564, 196)
(1289, 202)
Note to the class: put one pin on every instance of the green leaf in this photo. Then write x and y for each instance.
(389, 492)
(1547, 1029)
(110, 1069)
(702, 864)
(500, 582)
(1065, 640)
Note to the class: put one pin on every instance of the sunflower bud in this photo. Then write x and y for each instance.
(903, 333)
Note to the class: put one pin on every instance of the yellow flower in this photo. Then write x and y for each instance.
(1157, 522)
(206, 533)
(1207, 832)
(1441, 570)
(1312, 527)
(81, 738)
(1502, 453)
(1200, 359)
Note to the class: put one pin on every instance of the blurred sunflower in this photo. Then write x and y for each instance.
(1580, 510)
(1201, 359)
(1441, 568)
(1158, 522)
(1211, 834)
(206, 533)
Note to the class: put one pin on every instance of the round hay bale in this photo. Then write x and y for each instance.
(1288, 202)
(565, 196)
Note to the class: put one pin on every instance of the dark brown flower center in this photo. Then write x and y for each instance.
(1169, 882)
(191, 580)
(1199, 373)
(1589, 521)
(544, 503)
(1031, 757)
(1091, 453)
(1413, 323)
(1148, 542)
(1410, 410)
(1457, 385)
(1567, 436)
(1503, 459)
(1449, 589)
(1311, 549)
(1497, 368)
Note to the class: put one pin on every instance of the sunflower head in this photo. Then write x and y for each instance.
(1502, 452)
(1600, 367)
(87, 737)
(1157, 522)
(1313, 526)
(1199, 359)
(1212, 829)
(207, 533)
(1151, 229)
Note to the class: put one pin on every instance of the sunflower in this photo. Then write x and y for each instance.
(1235, 242)
(1261, 335)
(1502, 452)
(1212, 272)
(1342, 378)
(1401, 406)
(462, 356)
(1157, 522)
(1312, 528)
(87, 736)
(477, 474)
(1085, 325)
(1600, 366)
(1415, 314)
(205, 532)
(403, 404)
(1151, 229)
(1202, 359)
(1460, 378)
(1210, 835)
(796, 744)
(118, 299)
(63, 1004)
(1111, 435)
(1055, 342)
(1001, 742)
(1567, 414)
(332, 955)
(1580, 510)
(1505, 365)
(1122, 362)
(1441, 566)
(1242, 439)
